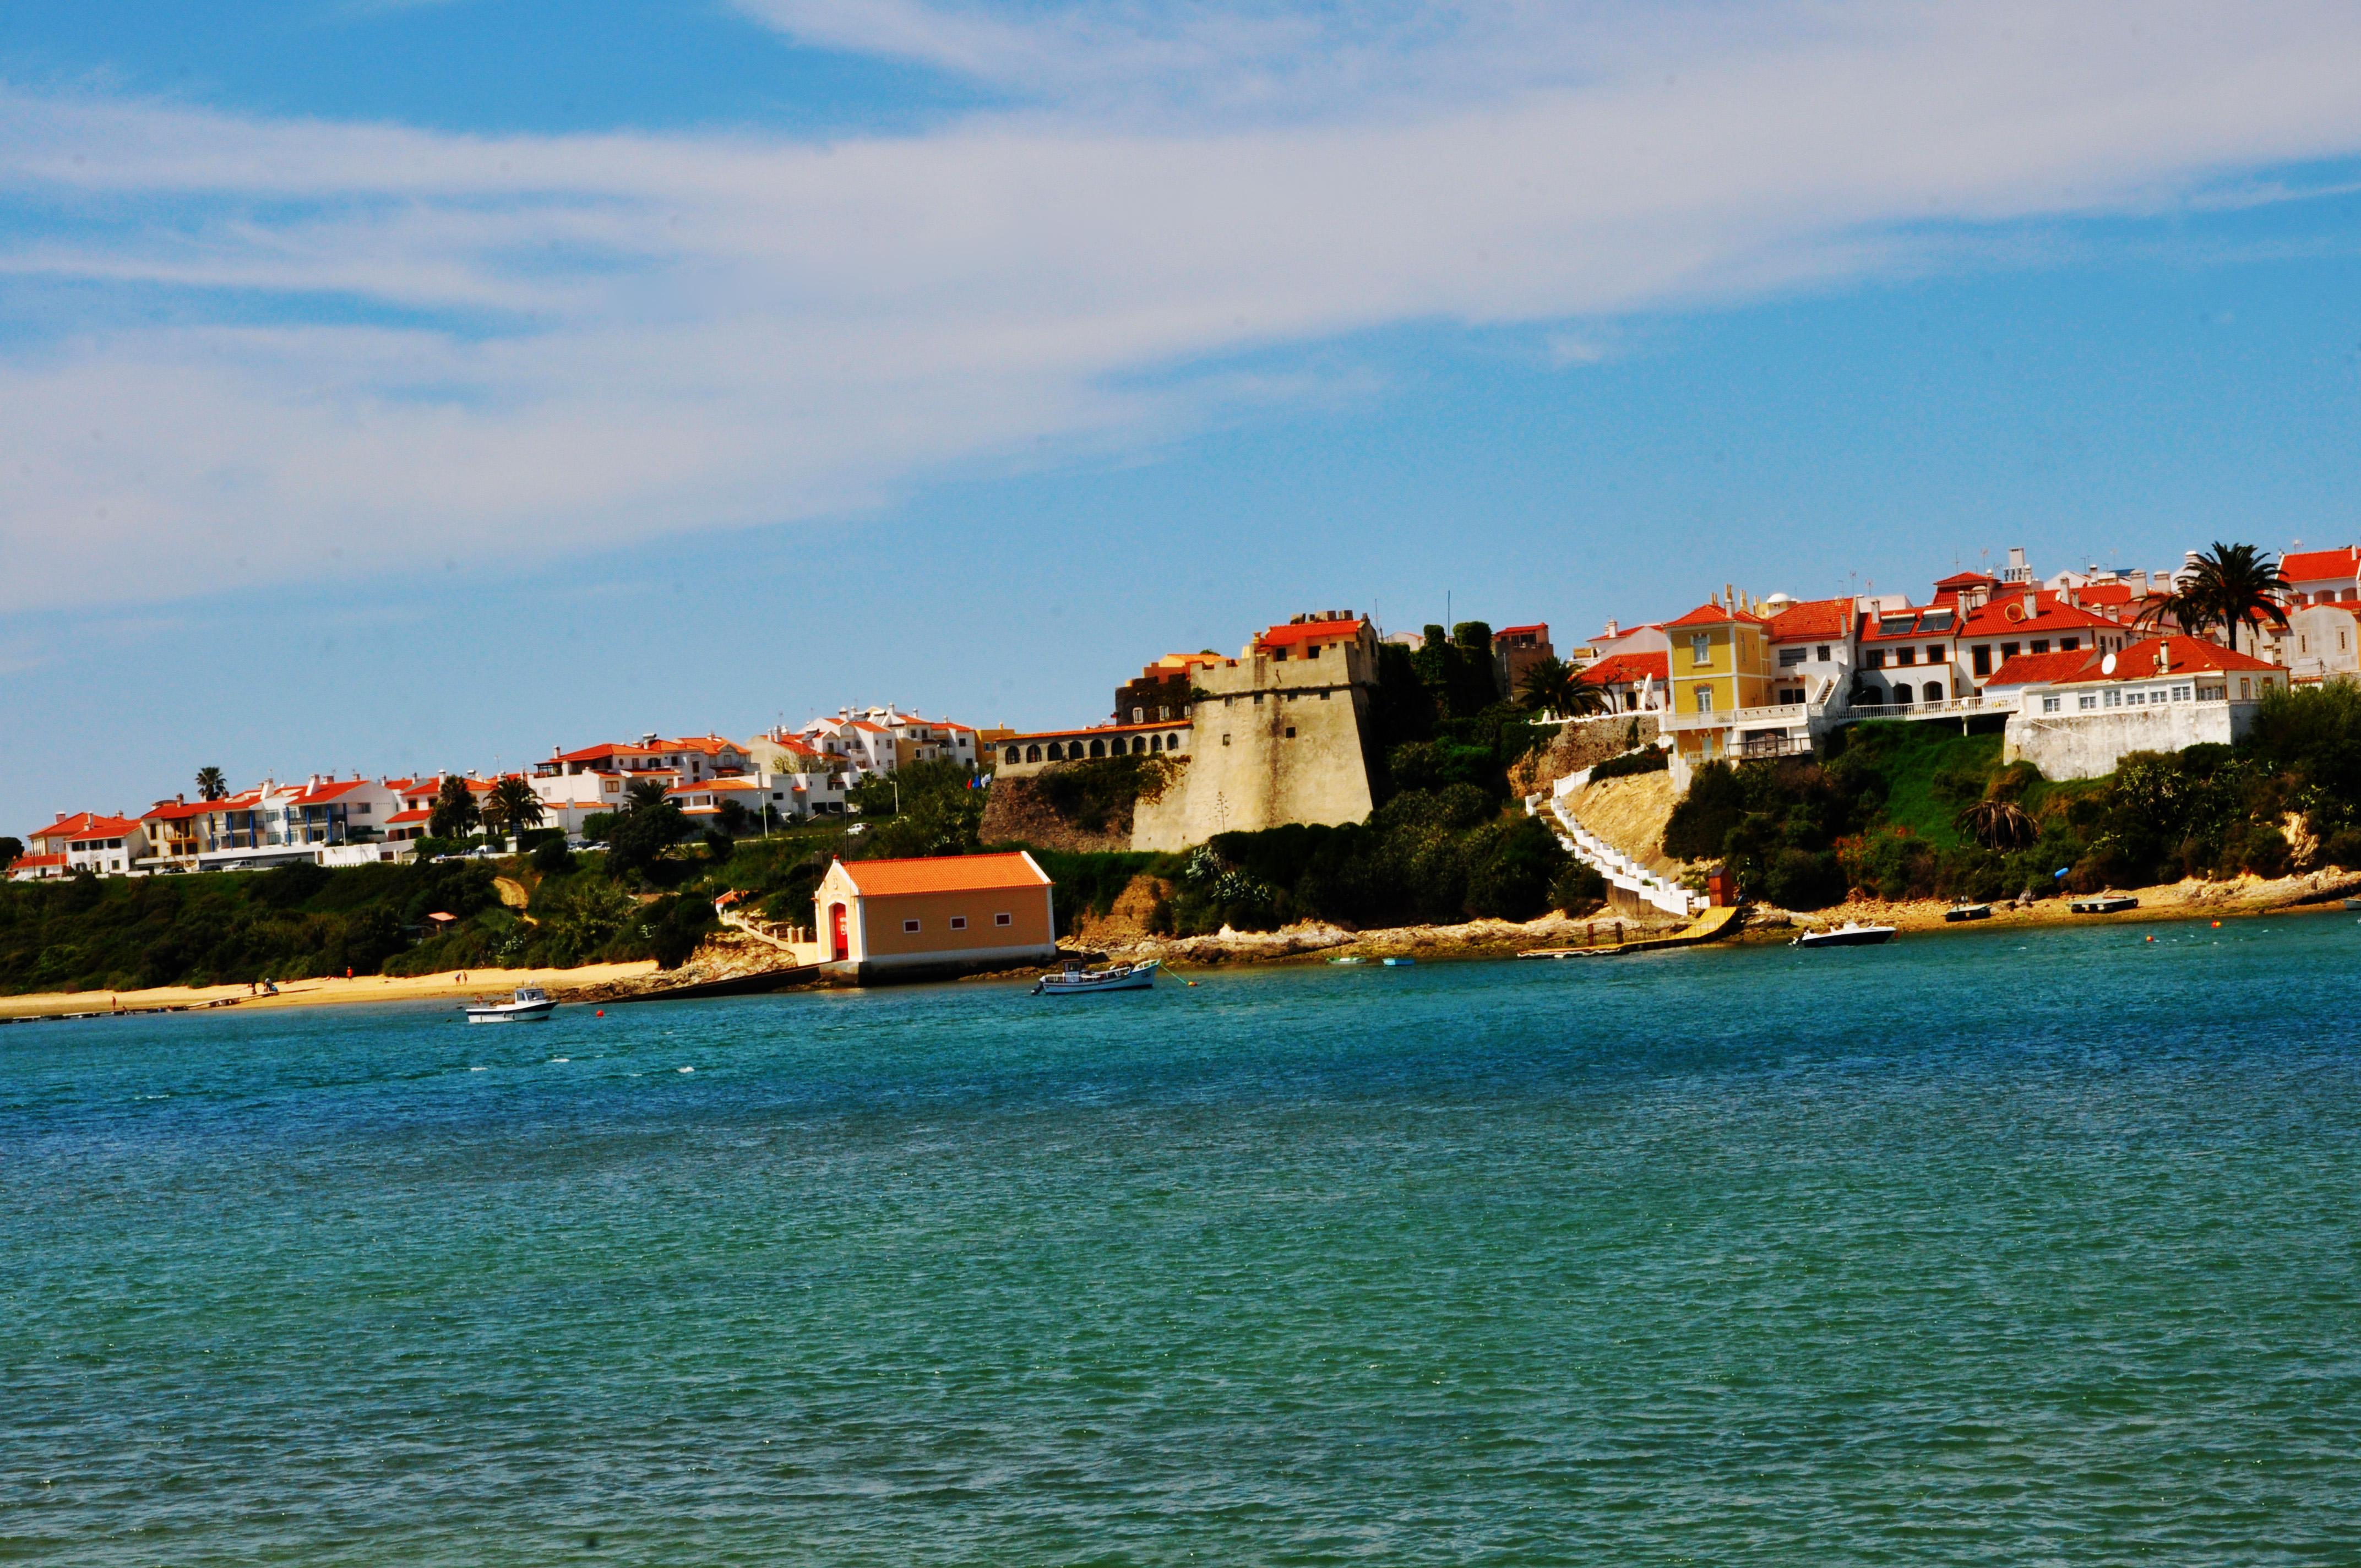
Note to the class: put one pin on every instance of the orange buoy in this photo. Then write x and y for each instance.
(603, 1012)
(2217, 925)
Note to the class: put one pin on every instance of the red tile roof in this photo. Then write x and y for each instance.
(1628, 669)
(944, 873)
(2321, 565)
(417, 814)
(105, 828)
(1959, 580)
(1539, 627)
(2184, 654)
(2103, 593)
(1813, 620)
(2040, 669)
(2008, 617)
(2087, 666)
(1296, 633)
(68, 827)
(1714, 615)
(33, 862)
(327, 790)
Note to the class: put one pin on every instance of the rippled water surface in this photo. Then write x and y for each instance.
(1970, 1249)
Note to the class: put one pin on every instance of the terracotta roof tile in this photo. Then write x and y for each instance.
(2321, 565)
(1813, 620)
(944, 873)
(1714, 615)
(1628, 669)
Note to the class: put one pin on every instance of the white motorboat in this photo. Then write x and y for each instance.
(528, 1004)
(1075, 981)
(1851, 934)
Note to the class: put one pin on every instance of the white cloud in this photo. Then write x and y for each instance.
(573, 341)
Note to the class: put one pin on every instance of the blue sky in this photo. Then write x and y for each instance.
(400, 385)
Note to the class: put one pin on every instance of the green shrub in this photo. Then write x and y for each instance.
(1579, 890)
(1649, 760)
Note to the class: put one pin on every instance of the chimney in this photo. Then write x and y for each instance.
(1613, 633)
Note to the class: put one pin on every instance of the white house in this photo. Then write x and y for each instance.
(2080, 713)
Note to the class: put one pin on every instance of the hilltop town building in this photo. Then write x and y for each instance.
(1515, 651)
(2078, 715)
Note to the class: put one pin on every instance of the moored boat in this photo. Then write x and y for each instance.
(1076, 981)
(1967, 912)
(2104, 903)
(1399, 963)
(1851, 934)
(528, 1004)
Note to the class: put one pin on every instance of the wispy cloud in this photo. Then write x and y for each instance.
(508, 346)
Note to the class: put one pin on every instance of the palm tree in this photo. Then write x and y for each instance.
(2244, 587)
(512, 806)
(1999, 825)
(211, 785)
(1553, 686)
(2229, 586)
(642, 793)
(455, 808)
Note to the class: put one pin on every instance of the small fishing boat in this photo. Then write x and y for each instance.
(1075, 981)
(2353, 904)
(1348, 959)
(2104, 903)
(1851, 934)
(528, 1004)
(1967, 912)
(1399, 963)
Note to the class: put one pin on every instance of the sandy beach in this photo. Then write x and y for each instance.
(453, 987)
(2319, 892)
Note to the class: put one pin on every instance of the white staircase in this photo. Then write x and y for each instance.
(1619, 869)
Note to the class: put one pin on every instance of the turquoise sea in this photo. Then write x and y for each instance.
(1978, 1248)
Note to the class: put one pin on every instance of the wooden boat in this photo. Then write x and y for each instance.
(528, 1004)
(2104, 903)
(1967, 912)
(1075, 981)
(1851, 934)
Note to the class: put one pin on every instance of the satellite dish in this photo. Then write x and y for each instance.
(2107, 665)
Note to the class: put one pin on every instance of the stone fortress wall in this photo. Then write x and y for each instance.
(1273, 741)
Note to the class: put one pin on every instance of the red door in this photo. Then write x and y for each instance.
(841, 943)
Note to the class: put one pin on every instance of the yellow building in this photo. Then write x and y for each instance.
(1722, 662)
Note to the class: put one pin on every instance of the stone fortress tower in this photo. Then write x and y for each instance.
(1278, 735)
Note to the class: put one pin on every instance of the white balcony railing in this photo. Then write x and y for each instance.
(1950, 707)
(1779, 716)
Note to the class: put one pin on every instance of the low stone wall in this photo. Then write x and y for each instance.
(1579, 744)
(2091, 745)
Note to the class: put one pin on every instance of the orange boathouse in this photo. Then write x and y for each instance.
(941, 913)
